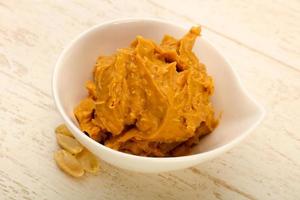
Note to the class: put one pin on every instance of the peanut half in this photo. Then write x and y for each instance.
(88, 161)
(68, 143)
(62, 129)
(68, 163)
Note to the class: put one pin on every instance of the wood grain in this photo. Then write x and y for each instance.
(259, 38)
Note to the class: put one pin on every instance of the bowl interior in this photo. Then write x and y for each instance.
(239, 112)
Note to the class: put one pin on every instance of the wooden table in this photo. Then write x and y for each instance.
(260, 38)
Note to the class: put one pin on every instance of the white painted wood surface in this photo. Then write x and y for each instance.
(260, 38)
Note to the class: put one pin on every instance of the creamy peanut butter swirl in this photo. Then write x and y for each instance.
(149, 99)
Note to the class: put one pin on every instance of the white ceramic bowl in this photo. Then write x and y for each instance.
(241, 114)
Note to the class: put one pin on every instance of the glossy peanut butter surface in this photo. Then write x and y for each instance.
(149, 99)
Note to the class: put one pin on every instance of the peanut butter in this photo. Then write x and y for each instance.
(149, 99)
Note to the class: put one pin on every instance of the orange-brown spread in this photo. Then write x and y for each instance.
(149, 99)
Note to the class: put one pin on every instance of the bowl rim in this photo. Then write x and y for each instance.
(204, 155)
